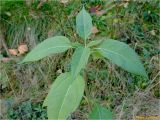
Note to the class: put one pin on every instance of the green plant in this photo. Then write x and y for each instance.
(67, 91)
(27, 111)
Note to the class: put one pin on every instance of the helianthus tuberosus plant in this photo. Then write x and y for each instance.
(67, 90)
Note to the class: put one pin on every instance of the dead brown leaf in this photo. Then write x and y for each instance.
(5, 59)
(95, 9)
(22, 49)
(64, 1)
(13, 51)
(100, 13)
(94, 30)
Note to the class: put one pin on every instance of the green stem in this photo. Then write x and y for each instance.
(85, 43)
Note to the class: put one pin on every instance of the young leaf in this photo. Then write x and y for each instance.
(94, 43)
(122, 55)
(50, 46)
(100, 113)
(84, 24)
(79, 60)
(64, 97)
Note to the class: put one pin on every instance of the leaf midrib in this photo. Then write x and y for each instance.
(64, 99)
(99, 112)
(42, 51)
(84, 49)
(83, 25)
(123, 57)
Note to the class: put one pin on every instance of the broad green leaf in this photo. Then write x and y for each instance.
(100, 113)
(64, 97)
(48, 47)
(122, 55)
(79, 60)
(94, 43)
(84, 24)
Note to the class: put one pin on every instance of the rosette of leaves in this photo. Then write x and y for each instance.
(67, 90)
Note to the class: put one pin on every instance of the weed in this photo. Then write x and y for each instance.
(135, 23)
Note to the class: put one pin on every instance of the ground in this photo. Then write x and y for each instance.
(24, 87)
